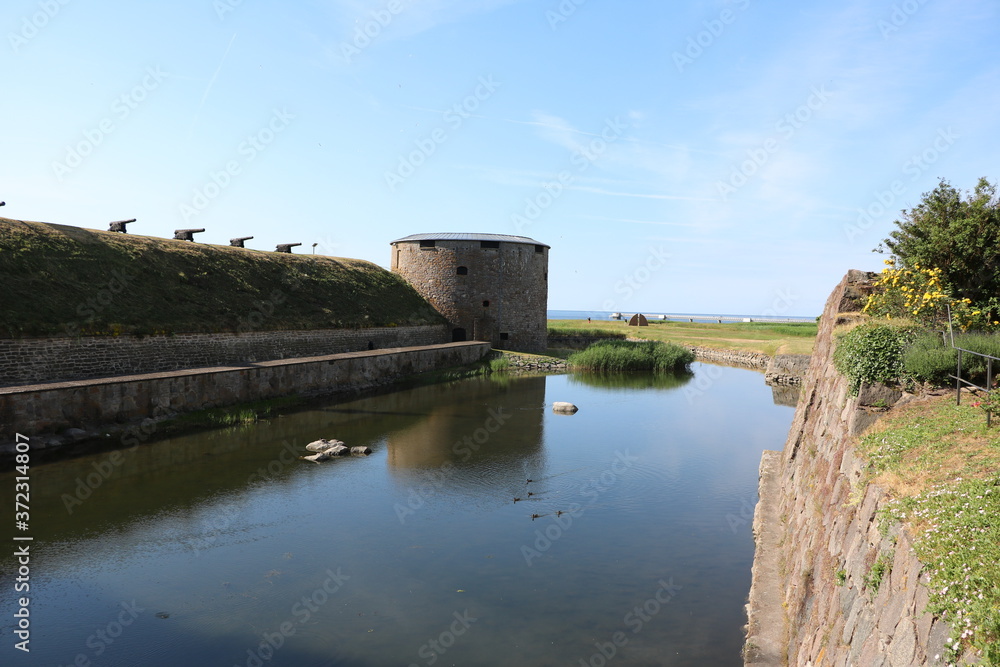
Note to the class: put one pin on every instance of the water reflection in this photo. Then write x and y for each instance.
(227, 532)
(487, 420)
(632, 380)
(786, 394)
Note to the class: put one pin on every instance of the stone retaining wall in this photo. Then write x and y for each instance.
(87, 405)
(34, 360)
(818, 537)
(534, 362)
(746, 358)
(787, 369)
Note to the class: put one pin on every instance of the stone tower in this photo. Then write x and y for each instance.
(490, 287)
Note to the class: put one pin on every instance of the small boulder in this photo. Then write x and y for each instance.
(75, 434)
(318, 457)
(361, 451)
(338, 450)
(564, 408)
(322, 445)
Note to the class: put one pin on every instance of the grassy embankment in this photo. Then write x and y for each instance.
(770, 339)
(60, 280)
(941, 467)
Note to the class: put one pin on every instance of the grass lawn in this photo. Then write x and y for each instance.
(771, 339)
(941, 466)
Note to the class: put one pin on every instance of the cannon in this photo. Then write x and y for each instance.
(3, 203)
(286, 247)
(238, 241)
(119, 226)
(186, 234)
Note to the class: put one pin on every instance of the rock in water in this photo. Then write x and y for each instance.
(316, 458)
(322, 445)
(361, 451)
(338, 450)
(564, 408)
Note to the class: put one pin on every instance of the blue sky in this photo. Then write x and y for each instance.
(731, 157)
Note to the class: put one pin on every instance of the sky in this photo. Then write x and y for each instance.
(680, 157)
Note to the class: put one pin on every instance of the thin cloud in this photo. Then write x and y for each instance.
(638, 195)
(667, 223)
(211, 84)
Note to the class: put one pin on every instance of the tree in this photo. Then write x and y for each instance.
(959, 235)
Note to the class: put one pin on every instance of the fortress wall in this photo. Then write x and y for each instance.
(90, 405)
(818, 537)
(34, 360)
(501, 298)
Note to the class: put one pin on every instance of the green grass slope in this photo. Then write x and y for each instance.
(59, 280)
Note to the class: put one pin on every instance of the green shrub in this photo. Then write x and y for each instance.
(928, 359)
(873, 352)
(982, 343)
(622, 355)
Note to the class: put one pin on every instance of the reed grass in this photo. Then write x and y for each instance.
(621, 355)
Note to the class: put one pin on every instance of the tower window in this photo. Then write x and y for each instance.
(489, 244)
(462, 271)
(504, 335)
(486, 304)
(427, 244)
(539, 248)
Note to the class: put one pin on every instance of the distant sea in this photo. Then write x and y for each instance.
(673, 317)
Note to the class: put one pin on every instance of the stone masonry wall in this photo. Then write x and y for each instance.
(818, 537)
(35, 360)
(504, 291)
(755, 360)
(87, 405)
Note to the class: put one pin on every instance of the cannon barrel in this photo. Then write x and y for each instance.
(119, 226)
(238, 241)
(286, 247)
(186, 234)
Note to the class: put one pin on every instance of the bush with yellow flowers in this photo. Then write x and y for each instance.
(918, 294)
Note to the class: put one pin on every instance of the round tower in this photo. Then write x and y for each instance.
(490, 287)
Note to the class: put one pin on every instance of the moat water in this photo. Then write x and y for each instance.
(222, 548)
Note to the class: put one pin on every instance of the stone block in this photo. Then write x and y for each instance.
(903, 646)
(878, 395)
(940, 632)
(860, 420)
(852, 620)
(924, 620)
(872, 652)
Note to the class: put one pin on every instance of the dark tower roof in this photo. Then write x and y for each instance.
(459, 236)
